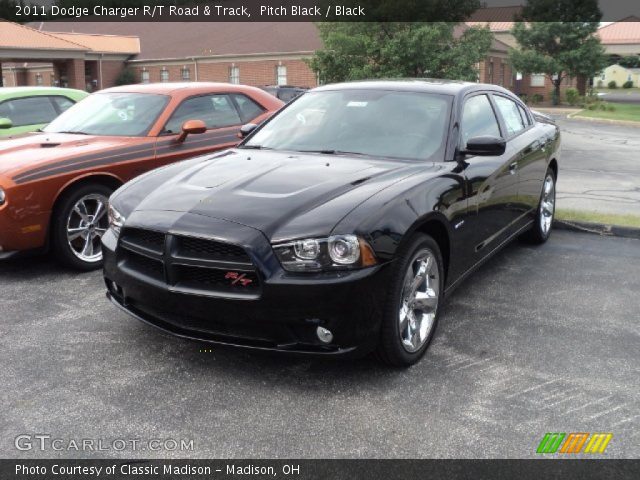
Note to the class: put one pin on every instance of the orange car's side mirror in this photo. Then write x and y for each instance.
(190, 127)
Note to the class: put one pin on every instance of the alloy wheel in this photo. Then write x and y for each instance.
(419, 300)
(86, 223)
(547, 204)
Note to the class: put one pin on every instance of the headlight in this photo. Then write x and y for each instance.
(116, 220)
(3, 197)
(333, 253)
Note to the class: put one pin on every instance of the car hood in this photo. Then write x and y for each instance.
(282, 194)
(21, 154)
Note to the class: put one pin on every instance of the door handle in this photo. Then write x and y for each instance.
(513, 167)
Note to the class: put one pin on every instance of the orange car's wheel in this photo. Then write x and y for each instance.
(78, 223)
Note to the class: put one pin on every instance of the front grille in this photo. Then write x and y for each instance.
(188, 264)
(217, 279)
(190, 247)
(147, 239)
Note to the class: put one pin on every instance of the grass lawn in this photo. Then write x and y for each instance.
(623, 111)
(597, 217)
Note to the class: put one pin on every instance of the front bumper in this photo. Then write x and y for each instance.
(283, 316)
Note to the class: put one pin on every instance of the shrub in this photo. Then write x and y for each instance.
(612, 84)
(524, 97)
(611, 108)
(126, 77)
(573, 96)
(591, 106)
(627, 84)
(537, 98)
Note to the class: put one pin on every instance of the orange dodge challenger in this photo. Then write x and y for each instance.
(54, 184)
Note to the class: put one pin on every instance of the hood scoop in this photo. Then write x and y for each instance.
(49, 145)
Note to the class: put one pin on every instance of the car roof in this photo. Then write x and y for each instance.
(178, 88)
(427, 85)
(7, 92)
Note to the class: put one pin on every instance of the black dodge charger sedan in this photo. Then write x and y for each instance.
(339, 225)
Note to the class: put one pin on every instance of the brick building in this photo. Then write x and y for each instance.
(30, 56)
(248, 53)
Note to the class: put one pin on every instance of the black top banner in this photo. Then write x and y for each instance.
(320, 469)
(315, 10)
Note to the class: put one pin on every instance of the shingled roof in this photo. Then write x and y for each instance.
(14, 35)
(626, 31)
(197, 39)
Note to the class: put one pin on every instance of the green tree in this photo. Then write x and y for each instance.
(354, 51)
(555, 38)
(631, 61)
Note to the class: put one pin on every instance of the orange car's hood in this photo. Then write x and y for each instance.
(21, 154)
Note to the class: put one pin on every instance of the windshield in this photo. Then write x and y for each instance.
(119, 114)
(407, 125)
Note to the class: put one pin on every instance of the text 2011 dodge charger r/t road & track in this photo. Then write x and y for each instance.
(339, 225)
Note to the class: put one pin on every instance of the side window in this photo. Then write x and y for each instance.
(5, 110)
(248, 108)
(215, 111)
(28, 111)
(510, 113)
(525, 117)
(62, 103)
(478, 119)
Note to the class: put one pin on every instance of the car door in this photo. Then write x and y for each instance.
(222, 114)
(492, 181)
(525, 142)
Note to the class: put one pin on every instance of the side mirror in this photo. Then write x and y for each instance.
(485, 145)
(192, 126)
(246, 129)
(5, 123)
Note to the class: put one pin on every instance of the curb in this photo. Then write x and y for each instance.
(558, 110)
(628, 123)
(598, 228)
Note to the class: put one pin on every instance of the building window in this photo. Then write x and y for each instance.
(164, 75)
(38, 79)
(234, 75)
(490, 73)
(145, 76)
(186, 74)
(537, 80)
(281, 75)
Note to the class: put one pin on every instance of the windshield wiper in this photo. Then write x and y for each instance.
(255, 147)
(329, 151)
(74, 132)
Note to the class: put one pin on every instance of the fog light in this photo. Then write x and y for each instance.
(324, 335)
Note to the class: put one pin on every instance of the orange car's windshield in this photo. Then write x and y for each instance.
(117, 114)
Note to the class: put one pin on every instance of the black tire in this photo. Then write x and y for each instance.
(61, 248)
(537, 234)
(391, 349)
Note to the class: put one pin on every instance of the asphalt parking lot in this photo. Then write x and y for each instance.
(541, 339)
(599, 167)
